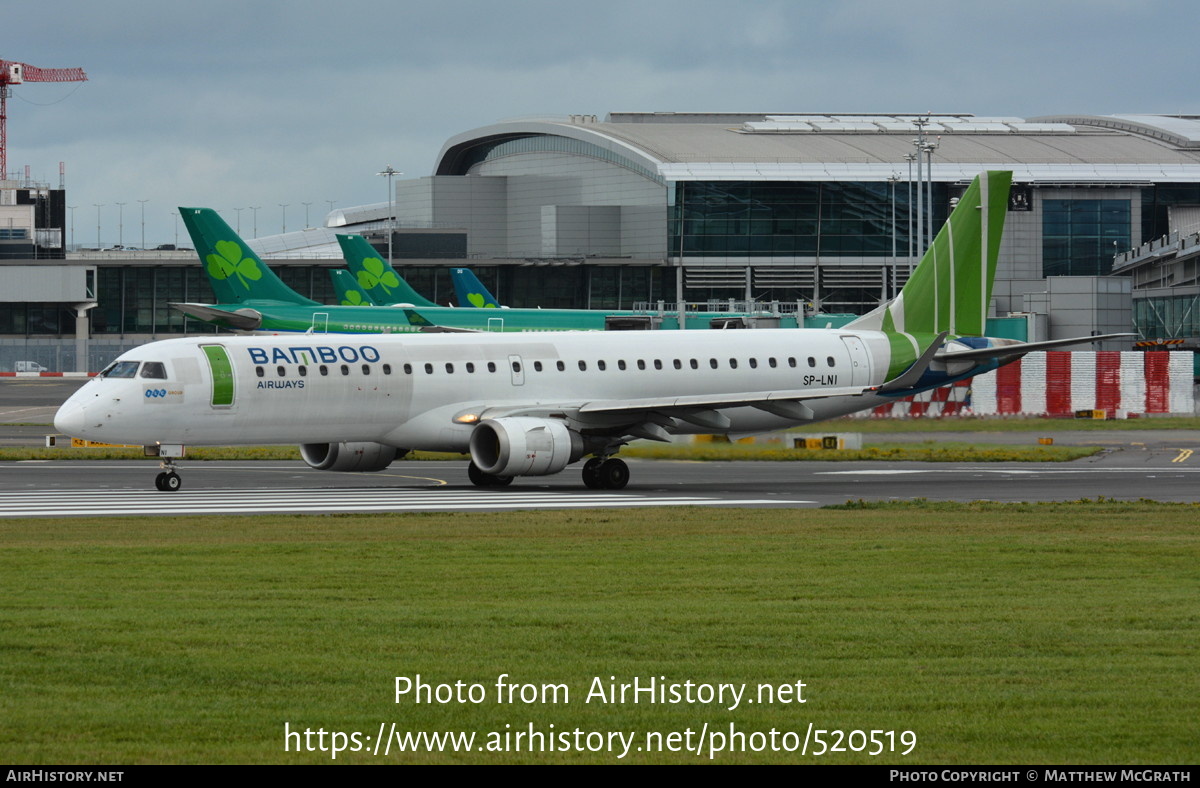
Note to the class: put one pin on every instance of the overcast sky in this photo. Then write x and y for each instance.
(229, 104)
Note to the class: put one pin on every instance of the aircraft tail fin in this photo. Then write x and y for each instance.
(235, 272)
(951, 288)
(469, 291)
(375, 276)
(347, 289)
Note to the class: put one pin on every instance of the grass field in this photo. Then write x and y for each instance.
(1061, 633)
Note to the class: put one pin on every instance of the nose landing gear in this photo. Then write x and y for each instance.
(168, 479)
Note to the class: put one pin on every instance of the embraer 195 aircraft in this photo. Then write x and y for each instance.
(531, 404)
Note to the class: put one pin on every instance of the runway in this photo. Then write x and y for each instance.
(96, 489)
(1155, 464)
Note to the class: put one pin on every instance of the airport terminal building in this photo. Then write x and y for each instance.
(820, 212)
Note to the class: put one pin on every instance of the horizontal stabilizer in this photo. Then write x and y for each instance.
(241, 319)
(1018, 349)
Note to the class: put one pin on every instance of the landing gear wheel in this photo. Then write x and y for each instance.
(168, 482)
(613, 474)
(591, 476)
(481, 479)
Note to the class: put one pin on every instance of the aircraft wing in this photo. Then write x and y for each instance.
(632, 416)
(1017, 348)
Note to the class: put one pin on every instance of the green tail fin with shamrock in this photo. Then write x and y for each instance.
(347, 289)
(470, 291)
(375, 276)
(236, 273)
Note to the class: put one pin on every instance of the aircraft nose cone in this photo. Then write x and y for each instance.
(69, 420)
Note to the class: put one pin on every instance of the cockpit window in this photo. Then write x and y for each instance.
(154, 369)
(122, 369)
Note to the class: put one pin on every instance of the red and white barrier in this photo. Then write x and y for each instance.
(1058, 383)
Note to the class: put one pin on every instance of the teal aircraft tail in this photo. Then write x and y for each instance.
(469, 291)
(236, 273)
(951, 288)
(347, 289)
(375, 276)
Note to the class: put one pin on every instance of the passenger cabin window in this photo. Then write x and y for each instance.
(657, 363)
(280, 371)
(324, 370)
(449, 369)
(601, 365)
(641, 363)
(695, 364)
(366, 369)
(345, 369)
(829, 360)
(491, 366)
(812, 362)
(471, 367)
(429, 369)
(621, 364)
(771, 362)
(712, 362)
(561, 366)
(753, 363)
(537, 366)
(733, 363)
(516, 366)
(678, 364)
(154, 369)
(121, 369)
(259, 371)
(303, 370)
(583, 366)
(407, 369)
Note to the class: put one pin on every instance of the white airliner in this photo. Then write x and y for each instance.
(531, 404)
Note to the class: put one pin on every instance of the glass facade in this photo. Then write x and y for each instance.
(1156, 206)
(782, 219)
(1080, 237)
(1171, 317)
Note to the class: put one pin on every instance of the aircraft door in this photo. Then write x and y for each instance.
(495, 324)
(518, 370)
(220, 370)
(860, 362)
(320, 323)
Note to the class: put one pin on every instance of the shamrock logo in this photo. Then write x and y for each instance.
(477, 300)
(353, 298)
(228, 261)
(373, 275)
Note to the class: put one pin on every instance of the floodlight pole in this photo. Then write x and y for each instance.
(390, 173)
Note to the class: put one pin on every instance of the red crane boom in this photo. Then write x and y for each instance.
(14, 73)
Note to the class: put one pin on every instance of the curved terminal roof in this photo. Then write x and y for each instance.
(1116, 149)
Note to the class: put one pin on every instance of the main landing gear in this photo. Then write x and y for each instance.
(605, 474)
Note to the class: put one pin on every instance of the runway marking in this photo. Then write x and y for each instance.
(1183, 455)
(1001, 471)
(107, 503)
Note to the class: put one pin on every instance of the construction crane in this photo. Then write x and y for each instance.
(13, 73)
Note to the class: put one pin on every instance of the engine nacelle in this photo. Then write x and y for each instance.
(524, 446)
(348, 457)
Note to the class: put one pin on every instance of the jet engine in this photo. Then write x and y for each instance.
(348, 457)
(524, 446)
